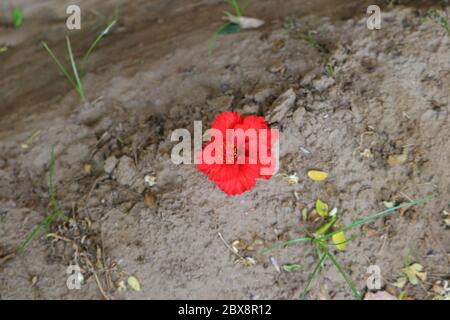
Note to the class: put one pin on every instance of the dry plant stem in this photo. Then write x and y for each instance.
(86, 258)
(229, 247)
(6, 258)
(97, 279)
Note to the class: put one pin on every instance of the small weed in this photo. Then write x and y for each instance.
(57, 213)
(330, 69)
(230, 27)
(438, 17)
(17, 17)
(323, 234)
(75, 78)
(292, 23)
(311, 39)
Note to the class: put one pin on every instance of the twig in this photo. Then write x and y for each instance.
(229, 247)
(7, 257)
(97, 280)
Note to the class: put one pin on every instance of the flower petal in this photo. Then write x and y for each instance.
(226, 120)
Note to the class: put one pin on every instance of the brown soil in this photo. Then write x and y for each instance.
(154, 74)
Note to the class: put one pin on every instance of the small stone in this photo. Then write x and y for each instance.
(110, 164)
(251, 109)
(282, 105)
(126, 171)
(299, 116)
(262, 95)
(91, 113)
(323, 83)
(221, 103)
(278, 67)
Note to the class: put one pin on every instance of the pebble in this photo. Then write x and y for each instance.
(110, 164)
(126, 171)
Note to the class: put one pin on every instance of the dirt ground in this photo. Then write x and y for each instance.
(155, 73)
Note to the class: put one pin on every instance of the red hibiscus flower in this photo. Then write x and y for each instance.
(239, 153)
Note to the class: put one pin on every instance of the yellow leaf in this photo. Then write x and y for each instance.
(321, 208)
(339, 240)
(87, 168)
(133, 282)
(414, 273)
(316, 175)
(403, 295)
(401, 282)
(397, 159)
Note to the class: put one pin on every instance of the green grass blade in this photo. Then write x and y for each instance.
(116, 11)
(312, 275)
(319, 256)
(96, 41)
(236, 7)
(56, 211)
(285, 244)
(79, 85)
(54, 203)
(60, 66)
(17, 17)
(343, 273)
(377, 215)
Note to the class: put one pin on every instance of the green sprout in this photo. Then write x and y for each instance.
(57, 213)
(230, 27)
(17, 17)
(438, 17)
(330, 69)
(75, 78)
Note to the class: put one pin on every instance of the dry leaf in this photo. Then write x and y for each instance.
(120, 285)
(397, 159)
(401, 282)
(245, 22)
(247, 261)
(275, 264)
(447, 218)
(150, 180)
(98, 255)
(366, 154)
(87, 168)
(414, 273)
(133, 282)
(149, 199)
(317, 175)
(291, 179)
